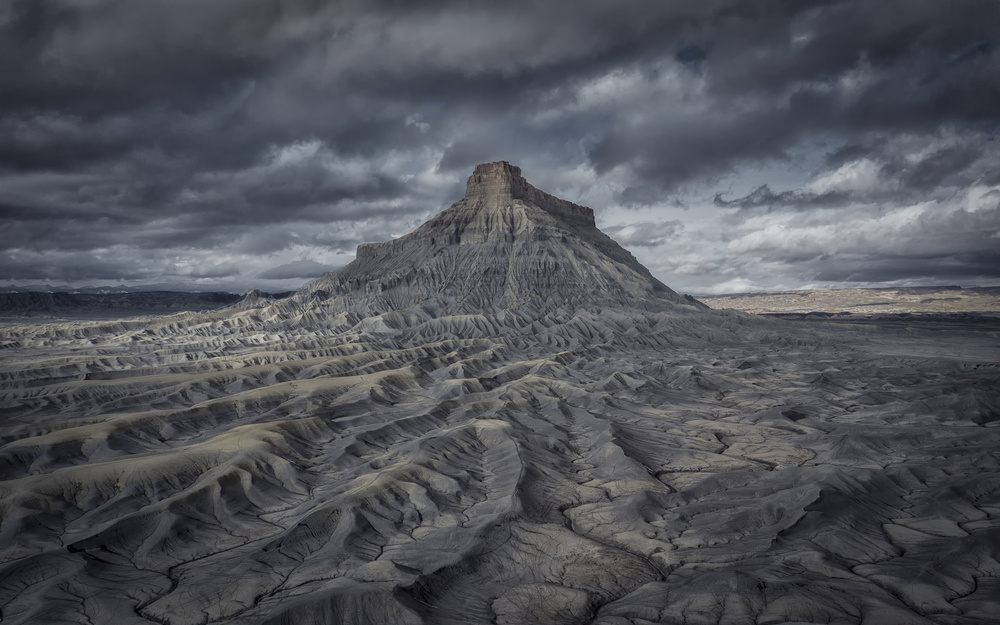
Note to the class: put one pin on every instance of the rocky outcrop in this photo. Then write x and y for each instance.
(254, 298)
(503, 181)
(505, 245)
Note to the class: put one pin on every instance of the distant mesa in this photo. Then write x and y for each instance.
(127, 304)
(63, 304)
(505, 245)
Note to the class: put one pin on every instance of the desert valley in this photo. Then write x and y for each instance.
(501, 417)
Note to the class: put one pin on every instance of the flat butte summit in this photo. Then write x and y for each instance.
(501, 417)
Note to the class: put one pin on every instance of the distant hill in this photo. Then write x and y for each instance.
(105, 305)
(896, 300)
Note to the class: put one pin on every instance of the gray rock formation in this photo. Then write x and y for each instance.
(254, 298)
(504, 246)
(500, 418)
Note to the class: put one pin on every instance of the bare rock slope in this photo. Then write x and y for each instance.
(504, 246)
(499, 418)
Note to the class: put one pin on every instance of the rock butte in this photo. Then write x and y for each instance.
(504, 246)
(500, 417)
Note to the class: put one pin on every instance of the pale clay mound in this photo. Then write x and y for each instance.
(501, 417)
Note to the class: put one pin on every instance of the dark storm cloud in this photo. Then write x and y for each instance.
(210, 130)
(68, 267)
(957, 267)
(909, 168)
(850, 69)
(297, 269)
(646, 233)
(954, 239)
(764, 197)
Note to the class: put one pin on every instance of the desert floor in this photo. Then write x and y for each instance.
(590, 465)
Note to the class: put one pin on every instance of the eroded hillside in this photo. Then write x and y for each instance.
(501, 417)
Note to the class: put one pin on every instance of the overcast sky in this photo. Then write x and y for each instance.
(731, 145)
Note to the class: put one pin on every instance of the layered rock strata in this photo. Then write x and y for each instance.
(504, 246)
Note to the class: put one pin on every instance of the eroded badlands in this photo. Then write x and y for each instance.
(499, 418)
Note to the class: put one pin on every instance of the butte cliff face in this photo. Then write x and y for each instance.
(499, 418)
(504, 246)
